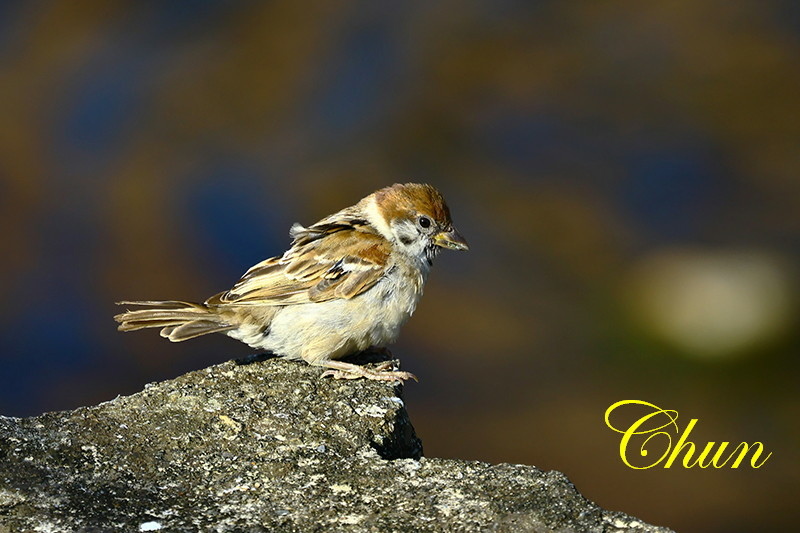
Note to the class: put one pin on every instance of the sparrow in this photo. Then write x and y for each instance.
(347, 283)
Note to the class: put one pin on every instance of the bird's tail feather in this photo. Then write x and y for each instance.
(179, 321)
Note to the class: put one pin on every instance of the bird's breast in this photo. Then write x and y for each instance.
(393, 301)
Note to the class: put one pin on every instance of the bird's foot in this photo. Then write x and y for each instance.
(383, 372)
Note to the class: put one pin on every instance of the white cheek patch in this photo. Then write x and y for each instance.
(406, 233)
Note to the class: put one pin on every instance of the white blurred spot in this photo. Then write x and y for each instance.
(712, 303)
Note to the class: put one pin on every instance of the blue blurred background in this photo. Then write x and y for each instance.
(627, 173)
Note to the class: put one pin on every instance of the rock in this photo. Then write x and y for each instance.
(266, 446)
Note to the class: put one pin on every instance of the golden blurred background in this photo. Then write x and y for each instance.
(627, 174)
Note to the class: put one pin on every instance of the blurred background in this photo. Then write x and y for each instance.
(627, 174)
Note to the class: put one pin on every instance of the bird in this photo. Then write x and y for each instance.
(347, 284)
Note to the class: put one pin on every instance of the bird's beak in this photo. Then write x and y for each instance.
(450, 239)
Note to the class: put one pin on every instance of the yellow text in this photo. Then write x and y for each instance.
(654, 432)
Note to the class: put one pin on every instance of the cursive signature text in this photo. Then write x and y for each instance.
(658, 439)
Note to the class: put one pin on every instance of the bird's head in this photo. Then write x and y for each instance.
(416, 219)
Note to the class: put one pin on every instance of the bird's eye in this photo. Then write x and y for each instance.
(424, 222)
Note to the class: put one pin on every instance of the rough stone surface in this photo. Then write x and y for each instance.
(266, 446)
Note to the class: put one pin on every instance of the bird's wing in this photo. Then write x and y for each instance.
(324, 263)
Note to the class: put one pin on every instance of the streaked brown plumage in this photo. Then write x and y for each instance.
(347, 283)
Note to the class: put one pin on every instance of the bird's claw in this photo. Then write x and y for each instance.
(340, 374)
(380, 373)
